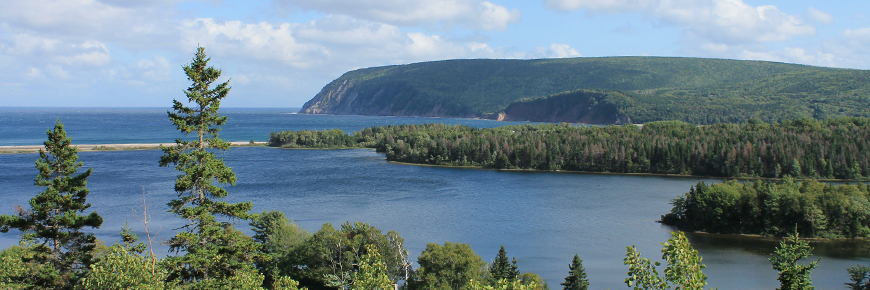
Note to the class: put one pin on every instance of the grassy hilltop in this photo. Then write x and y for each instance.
(600, 90)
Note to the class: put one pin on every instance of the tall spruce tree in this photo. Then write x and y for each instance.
(501, 268)
(576, 279)
(214, 250)
(53, 225)
(793, 276)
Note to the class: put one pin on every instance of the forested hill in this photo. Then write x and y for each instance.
(600, 90)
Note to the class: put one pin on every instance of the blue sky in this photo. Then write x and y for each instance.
(280, 53)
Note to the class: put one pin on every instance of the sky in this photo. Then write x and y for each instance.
(280, 53)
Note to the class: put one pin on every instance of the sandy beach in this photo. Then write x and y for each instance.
(106, 147)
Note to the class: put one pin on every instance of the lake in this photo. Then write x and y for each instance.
(542, 219)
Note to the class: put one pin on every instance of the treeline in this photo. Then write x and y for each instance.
(813, 209)
(836, 148)
(334, 138)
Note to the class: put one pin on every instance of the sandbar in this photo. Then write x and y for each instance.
(108, 147)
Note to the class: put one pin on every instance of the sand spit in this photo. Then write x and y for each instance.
(107, 147)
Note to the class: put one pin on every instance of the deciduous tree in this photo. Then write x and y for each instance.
(451, 266)
(683, 270)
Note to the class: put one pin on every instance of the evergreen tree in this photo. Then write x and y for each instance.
(214, 250)
(860, 277)
(576, 279)
(53, 225)
(793, 276)
(501, 268)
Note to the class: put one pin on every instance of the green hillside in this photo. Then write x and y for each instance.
(694, 90)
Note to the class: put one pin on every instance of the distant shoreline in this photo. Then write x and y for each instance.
(109, 147)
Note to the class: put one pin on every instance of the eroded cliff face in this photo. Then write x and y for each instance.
(342, 97)
(574, 107)
(379, 94)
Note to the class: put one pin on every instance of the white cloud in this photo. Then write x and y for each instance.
(261, 41)
(820, 16)
(722, 21)
(88, 53)
(474, 14)
(148, 24)
(858, 37)
(555, 50)
(331, 43)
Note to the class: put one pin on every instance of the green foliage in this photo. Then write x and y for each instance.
(503, 284)
(793, 276)
(534, 281)
(501, 268)
(834, 148)
(372, 274)
(124, 269)
(284, 244)
(684, 270)
(215, 253)
(684, 264)
(697, 91)
(642, 273)
(53, 225)
(331, 139)
(20, 270)
(576, 279)
(811, 208)
(329, 255)
(860, 277)
(451, 266)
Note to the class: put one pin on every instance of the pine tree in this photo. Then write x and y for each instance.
(214, 249)
(503, 269)
(53, 225)
(576, 279)
(860, 277)
(793, 276)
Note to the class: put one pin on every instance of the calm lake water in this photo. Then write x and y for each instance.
(542, 219)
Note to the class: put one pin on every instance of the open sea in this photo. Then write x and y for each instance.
(541, 218)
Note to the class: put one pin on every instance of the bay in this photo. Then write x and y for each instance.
(27, 125)
(542, 219)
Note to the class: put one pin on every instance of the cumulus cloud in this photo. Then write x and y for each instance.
(259, 41)
(335, 42)
(721, 21)
(144, 25)
(475, 14)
